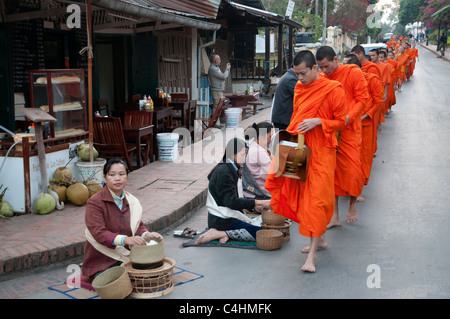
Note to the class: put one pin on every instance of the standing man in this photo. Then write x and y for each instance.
(319, 110)
(349, 175)
(283, 101)
(217, 80)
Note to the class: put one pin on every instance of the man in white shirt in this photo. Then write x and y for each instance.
(217, 80)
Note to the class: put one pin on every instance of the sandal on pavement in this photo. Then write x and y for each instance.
(185, 233)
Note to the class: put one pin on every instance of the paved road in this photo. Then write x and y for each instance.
(397, 249)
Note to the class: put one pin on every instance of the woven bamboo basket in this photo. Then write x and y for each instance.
(270, 218)
(113, 283)
(151, 283)
(285, 229)
(268, 239)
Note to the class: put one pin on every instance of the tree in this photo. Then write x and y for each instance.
(436, 13)
(351, 15)
(409, 11)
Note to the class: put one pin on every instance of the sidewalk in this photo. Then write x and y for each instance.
(169, 193)
(432, 48)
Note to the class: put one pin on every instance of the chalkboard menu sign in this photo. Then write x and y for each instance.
(27, 51)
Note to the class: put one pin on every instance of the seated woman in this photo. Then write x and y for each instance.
(257, 162)
(113, 223)
(226, 219)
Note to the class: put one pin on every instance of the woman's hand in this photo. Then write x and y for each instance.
(153, 235)
(134, 240)
(262, 204)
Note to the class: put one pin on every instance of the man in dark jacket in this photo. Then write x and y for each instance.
(283, 101)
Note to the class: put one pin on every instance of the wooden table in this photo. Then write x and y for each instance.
(238, 100)
(137, 133)
(183, 106)
(242, 101)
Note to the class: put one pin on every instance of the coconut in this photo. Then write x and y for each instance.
(93, 187)
(44, 204)
(77, 194)
(6, 210)
(63, 173)
(60, 190)
(83, 152)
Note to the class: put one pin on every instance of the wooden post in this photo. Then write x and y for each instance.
(37, 116)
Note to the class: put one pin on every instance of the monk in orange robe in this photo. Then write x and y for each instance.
(390, 100)
(369, 67)
(368, 133)
(396, 67)
(413, 53)
(403, 61)
(385, 81)
(349, 177)
(319, 111)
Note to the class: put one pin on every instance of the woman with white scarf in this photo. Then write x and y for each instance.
(226, 217)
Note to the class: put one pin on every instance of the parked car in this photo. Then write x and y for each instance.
(387, 37)
(370, 46)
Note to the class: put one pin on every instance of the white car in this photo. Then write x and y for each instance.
(370, 46)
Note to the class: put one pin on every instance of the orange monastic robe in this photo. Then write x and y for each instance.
(395, 76)
(403, 60)
(370, 67)
(311, 203)
(385, 81)
(349, 177)
(369, 129)
(390, 100)
(413, 53)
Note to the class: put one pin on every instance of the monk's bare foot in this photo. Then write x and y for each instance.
(351, 214)
(334, 222)
(323, 244)
(212, 234)
(360, 199)
(309, 265)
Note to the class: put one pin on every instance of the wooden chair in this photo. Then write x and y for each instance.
(210, 122)
(179, 96)
(109, 139)
(141, 119)
(137, 118)
(136, 98)
(103, 106)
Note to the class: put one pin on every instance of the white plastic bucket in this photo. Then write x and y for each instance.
(86, 169)
(167, 146)
(233, 116)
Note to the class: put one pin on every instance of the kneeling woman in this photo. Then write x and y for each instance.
(113, 223)
(226, 219)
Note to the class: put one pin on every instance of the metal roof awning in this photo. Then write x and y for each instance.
(270, 16)
(125, 16)
(144, 9)
(194, 8)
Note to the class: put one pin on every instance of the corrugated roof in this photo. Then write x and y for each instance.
(143, 8)
(199, 8)
(273, 17)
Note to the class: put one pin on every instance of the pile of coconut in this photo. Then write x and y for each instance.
(64, 188)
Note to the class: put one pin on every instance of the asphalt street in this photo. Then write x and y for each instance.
(398, 248)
